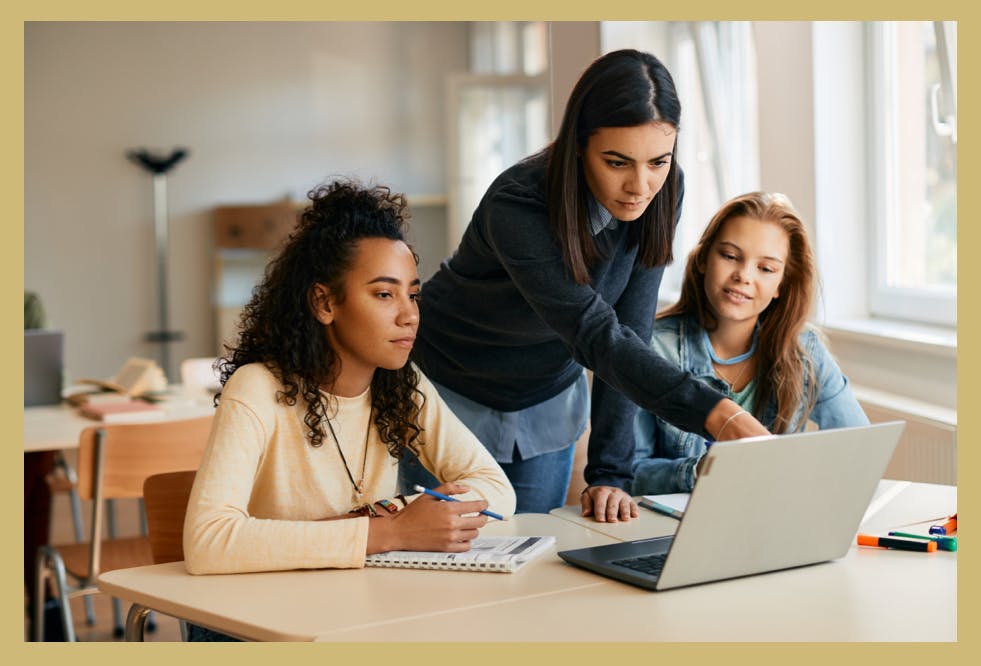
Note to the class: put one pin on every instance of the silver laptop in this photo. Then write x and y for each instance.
(43, 362)
(759, 505)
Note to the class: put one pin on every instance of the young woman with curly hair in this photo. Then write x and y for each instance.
(740, 326)
(319, 402)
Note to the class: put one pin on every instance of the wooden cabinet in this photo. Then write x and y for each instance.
(246, 238)
(254, 227)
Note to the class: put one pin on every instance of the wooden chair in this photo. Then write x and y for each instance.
(198, 375)
(113, 463)
(165, 497)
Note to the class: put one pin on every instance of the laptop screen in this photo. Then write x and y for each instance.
(43, 362)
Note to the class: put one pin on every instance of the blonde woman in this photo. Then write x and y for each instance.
(741, 327)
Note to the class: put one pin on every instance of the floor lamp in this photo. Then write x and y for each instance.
(158, 166)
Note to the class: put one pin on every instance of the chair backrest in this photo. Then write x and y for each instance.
(132, 452)
(199, 374)
(165, 498)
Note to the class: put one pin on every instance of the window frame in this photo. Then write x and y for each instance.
(922, 305)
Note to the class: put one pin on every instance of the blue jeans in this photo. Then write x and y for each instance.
(540, 483)
(198, 634)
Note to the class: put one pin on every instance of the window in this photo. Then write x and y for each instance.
(499, 111)
(913, 170)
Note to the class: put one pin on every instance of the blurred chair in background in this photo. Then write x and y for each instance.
(114, 461)
(199, 376)
(43, 373)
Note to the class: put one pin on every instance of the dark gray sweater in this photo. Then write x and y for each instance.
(504, 324)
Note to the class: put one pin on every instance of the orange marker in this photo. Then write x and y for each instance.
(898, 544)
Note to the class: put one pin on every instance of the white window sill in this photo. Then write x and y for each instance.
(900, 335)
(898, 361)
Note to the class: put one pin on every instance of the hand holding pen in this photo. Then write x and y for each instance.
(448, 498)
(430, 525)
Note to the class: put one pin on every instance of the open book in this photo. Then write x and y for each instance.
(136, 377)
(487, 553)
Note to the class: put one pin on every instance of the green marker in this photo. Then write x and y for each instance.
(943, 542)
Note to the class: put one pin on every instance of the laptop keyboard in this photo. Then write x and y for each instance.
(648, 564)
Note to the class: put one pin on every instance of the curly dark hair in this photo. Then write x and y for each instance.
(279, 329)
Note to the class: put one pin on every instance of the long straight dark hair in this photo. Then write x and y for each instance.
(620, 89)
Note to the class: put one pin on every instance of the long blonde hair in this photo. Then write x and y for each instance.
(781, 361)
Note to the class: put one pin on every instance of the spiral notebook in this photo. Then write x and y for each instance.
(500, 554)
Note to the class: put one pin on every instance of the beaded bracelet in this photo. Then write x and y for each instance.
(388, 506)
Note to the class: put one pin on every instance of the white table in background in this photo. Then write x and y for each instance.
(57, 427)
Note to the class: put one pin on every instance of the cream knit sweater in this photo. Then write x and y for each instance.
(262, 491)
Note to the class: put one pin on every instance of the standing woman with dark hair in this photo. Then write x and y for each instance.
(558, 271)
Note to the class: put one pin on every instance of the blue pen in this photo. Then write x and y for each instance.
(447, 498)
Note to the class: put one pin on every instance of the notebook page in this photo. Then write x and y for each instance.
(677, 501)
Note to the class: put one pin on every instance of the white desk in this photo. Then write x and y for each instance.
(301, 605)
(57, 427)
(869, 595)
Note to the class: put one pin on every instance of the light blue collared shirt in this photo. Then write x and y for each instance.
(600, 219)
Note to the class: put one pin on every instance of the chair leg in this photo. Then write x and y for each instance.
(118, 631)
(73, 498)
(76, 507)
(150, 625)
(78, 526)
(135, 622)
(47, 555)
(111, 518)
(40, 583)
(89, 610)
(142, 512)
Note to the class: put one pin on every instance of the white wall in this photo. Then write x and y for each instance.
(785, 88)
(267, 110)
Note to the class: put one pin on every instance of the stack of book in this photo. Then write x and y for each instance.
(119, 408)
(125, 398)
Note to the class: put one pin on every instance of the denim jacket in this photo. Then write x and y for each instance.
(665, 457)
